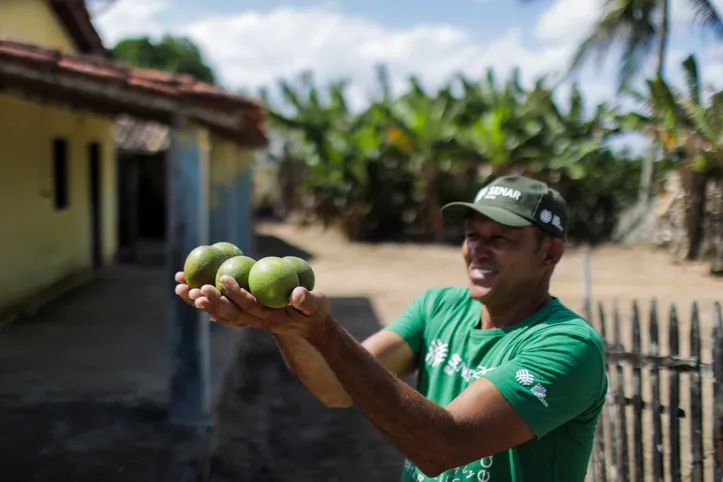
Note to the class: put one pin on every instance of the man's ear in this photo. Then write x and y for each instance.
(554, 252)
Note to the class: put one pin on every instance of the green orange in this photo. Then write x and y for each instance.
(271, 281)
(237, 267)
(307, 279)
(228, 249)
(201, 266)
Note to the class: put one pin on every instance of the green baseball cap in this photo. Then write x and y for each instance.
(516, 201)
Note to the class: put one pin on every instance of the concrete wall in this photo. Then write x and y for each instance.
(40, 245)
(33, 22)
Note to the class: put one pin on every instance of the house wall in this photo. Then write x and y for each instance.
(41, 246)
(33, 22)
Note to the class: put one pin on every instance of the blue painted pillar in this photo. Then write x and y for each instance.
(187, 174)
(243, 222)
(221, 199)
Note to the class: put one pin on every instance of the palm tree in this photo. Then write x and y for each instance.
(684, 125)
(640, 26)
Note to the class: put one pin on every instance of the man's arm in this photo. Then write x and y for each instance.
(394, 349)
(480, 422)
(305, 361)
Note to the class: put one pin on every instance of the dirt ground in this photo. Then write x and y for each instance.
(83, 382)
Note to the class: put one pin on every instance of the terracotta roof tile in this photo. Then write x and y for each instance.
(89, 69)
(154, 75)
(181, 87)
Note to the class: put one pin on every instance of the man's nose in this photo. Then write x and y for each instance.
(479, 248)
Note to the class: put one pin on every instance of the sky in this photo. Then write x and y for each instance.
(254, 43)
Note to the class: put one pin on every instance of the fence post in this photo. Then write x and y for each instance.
(623, 463)
(696, 402)
(658, 463)
(637, 400)
(587, 308)
(674, 398)
(718, 391)
(600, 470)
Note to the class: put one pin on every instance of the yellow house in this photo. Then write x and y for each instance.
(60, 94)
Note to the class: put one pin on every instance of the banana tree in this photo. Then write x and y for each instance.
(498, 128)
(425, 127)
(353, 177)
(315, 130)
(573, 139)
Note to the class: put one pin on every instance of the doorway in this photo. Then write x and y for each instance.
(94, 173)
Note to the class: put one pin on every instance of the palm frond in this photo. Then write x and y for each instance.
(692, 79)
(707, 15)
(638, 47)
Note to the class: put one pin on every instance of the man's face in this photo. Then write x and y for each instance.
(504, 263)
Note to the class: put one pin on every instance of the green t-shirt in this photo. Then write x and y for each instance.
(550, 367)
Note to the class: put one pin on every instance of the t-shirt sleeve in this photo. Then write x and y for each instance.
(411, 323)
(553, 380)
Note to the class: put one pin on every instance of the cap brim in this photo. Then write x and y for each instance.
(459, 211)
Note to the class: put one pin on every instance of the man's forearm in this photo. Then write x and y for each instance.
(416, 425)
(305, 361)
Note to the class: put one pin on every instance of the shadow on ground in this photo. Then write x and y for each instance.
(271, 429)
(92, 441)
(267, 245)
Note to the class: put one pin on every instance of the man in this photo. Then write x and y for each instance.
(511, 382)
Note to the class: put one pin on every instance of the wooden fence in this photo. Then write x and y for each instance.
(639, 436)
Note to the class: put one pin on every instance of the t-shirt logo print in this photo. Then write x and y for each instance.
(540, 392)
(438, 351)
(524, 377)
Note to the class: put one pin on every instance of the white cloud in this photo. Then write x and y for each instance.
(130, 18)
(334, 46)
(711, 66)
(567, 20)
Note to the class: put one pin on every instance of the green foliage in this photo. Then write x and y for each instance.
(686, 126)
(386, 171)
(178, 55)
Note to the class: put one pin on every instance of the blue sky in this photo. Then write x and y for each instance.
(253, 43)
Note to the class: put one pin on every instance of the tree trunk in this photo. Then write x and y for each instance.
(695, 194)
(646, 178)
(716, 235)
(434, 213)
(663, 35)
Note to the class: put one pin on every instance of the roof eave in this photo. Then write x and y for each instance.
(74, 16)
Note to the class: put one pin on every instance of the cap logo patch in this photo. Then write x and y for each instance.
(491, 192)
(545, 216)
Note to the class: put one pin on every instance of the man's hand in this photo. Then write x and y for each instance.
(307, 315)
